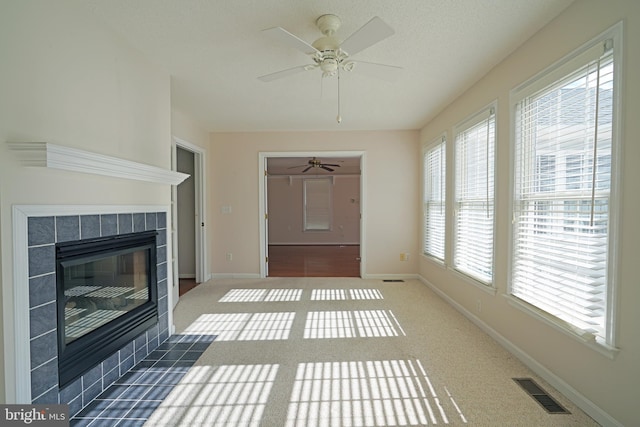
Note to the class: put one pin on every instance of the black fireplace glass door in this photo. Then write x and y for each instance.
(107, 295)
(100, 290)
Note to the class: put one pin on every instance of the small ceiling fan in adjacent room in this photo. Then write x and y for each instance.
(331, 55)
(315, 163)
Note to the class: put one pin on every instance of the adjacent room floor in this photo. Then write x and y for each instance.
(314, 261)
(345, 352)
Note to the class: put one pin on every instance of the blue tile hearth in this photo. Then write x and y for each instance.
(131, 400)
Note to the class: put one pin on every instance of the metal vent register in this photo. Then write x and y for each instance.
(539, 395)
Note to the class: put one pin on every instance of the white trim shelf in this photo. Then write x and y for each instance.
(46, 154)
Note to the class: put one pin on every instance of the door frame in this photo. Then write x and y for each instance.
(262, 193)
(199, 155)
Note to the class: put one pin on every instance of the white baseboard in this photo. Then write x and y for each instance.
(235, 276)
(390, 276)
(558, 383)
(314, 243)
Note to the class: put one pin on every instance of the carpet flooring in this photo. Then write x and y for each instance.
(345, 352)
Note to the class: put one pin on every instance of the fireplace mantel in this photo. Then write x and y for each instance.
(46, 154)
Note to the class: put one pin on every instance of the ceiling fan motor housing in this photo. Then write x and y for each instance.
(328, 24)
(326, 43)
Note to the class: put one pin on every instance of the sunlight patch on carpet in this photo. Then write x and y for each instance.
(243, 326)
(352, 324)
(368, 393)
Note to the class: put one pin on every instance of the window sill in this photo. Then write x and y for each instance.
(486, 287)
(436, 261)
(590, 341)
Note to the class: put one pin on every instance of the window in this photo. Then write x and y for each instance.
(434, 199)
(474, 195)
(317, 204)
(561, 204)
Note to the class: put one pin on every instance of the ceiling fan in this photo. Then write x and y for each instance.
(315, 163)
(331, 55)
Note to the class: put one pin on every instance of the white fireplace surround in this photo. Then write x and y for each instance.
(16, 321)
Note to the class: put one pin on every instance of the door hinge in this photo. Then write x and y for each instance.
(266, 259)
(266, 216)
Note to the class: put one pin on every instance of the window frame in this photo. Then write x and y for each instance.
(329, 207)
(554, 73)
(485, 113)
(439, 143)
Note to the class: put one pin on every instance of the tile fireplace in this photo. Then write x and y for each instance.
(60, 317)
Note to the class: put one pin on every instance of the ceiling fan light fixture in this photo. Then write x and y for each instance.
(329, 66)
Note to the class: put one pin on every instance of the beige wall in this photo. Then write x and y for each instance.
(609, 384)
(391, 202)
(66, 80)
(286, 211)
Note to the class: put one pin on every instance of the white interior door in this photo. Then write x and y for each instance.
(197, 212)
(266, 219)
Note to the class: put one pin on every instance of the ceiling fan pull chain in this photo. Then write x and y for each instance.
(339, 117)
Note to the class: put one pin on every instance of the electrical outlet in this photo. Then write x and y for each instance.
(229, 256)
(404, 256)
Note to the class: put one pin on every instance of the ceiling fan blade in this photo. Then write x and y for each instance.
(284, 36)
(284, 73)
(329, 164)
(326, 168)
(380, 71)
(307, 169)
(369, 34)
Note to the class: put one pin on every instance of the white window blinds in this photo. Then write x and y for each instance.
(474, 196)
(317, 204)
(563, 163)
(434, 209)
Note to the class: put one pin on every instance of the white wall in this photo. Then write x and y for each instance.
(609, 384)
(67, 80)
(391, 200)
(286, 211)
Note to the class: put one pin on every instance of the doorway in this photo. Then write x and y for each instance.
(189, 254)
(311, 204)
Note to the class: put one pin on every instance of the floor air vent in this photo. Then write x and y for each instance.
(541, 396)
(393, 280)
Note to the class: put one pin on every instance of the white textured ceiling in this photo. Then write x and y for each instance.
(214, 50)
